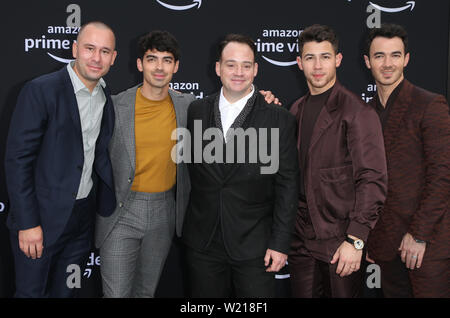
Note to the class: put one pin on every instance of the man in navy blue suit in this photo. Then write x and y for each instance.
(58, 171)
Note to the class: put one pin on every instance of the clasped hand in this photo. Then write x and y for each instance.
(348, 258)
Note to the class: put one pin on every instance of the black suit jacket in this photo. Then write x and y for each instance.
(255, 211)
(44, 156)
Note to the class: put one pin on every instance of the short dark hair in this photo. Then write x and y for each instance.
(318, 33)
(387, 30)
(239, 38)
(161, 41)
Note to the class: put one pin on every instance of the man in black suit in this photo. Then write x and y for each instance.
(243, 200)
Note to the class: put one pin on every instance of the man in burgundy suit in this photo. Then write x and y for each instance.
(343, 179)
(411, 240)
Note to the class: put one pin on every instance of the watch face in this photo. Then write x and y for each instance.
(359, 244)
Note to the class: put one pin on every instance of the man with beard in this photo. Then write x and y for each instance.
(411, 241)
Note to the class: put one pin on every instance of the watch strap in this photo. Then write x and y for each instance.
(349, 239)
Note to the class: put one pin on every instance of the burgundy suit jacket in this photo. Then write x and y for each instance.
(345, 177)
(417, 141)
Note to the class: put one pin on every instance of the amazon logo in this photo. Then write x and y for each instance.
(73, 23)
(195, 3)
(57, 39)
(409, 5)
(278, 47)
(59, 59)
(374, 19)
(279, 63)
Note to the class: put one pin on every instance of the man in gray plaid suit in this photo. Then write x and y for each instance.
(151, 189)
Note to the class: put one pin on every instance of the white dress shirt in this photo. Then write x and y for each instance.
(90, 107)
(229, 111)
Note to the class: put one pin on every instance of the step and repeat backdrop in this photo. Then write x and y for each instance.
(36, 38)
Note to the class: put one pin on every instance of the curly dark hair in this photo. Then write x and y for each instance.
(162, 41)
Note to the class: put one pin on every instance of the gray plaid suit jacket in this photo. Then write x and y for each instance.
(122, 153)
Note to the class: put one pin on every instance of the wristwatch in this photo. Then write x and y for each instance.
(358, 244)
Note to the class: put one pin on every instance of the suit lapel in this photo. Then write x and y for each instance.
(299, 116)
(104, 137)
(244, 121)
(178, 106)
(72, 106)
(125, 117)
(324, 120)
(108, 114)
(397, 113)
(107, 126)
(214, 121)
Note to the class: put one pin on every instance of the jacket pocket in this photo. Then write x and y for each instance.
(338, 191)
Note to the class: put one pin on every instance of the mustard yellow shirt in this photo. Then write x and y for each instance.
(154, 123)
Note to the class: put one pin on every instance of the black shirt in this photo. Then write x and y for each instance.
(383, 112)
(313, 107)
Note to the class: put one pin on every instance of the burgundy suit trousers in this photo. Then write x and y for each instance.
(312, 278)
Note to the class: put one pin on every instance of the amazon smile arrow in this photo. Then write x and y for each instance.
(384, 9)
(60, 59)
(195, 3)
(278, 63)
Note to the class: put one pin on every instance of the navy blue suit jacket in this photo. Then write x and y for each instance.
(44, 156)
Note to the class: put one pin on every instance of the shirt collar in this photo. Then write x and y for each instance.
(240, 104)
(391, 98)
(78, 85)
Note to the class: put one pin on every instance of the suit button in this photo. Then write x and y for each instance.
(120, 204)
(129, 180)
